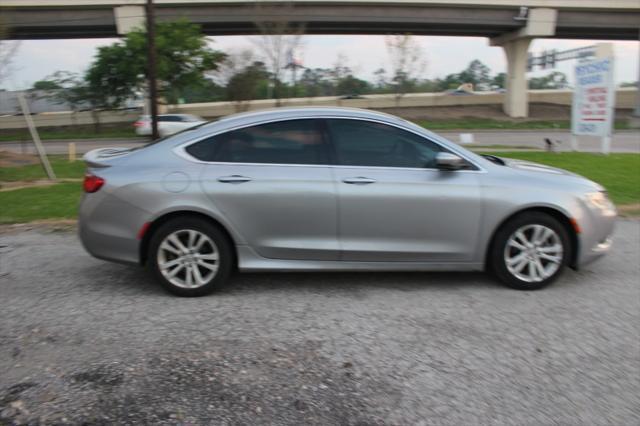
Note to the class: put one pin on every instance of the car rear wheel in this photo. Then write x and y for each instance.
(530, 251)
(190, 257)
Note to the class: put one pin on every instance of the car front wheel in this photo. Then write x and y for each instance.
(190, 256)
(530, 251)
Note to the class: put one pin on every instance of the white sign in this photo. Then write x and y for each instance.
(593, 98)
(466, 138)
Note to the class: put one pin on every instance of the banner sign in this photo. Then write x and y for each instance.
(593, 98)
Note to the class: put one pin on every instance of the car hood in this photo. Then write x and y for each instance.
(548, 173)
(535, 167)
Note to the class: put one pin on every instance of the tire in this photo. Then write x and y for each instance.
(197, 256)
(530, 251)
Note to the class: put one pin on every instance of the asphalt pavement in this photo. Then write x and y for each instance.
(625, 141)
(84, 341)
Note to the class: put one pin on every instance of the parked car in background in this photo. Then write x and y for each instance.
(168, 124)
(329, 189)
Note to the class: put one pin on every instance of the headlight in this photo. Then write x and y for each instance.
(600, 201)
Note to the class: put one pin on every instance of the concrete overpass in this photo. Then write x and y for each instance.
(501, 21)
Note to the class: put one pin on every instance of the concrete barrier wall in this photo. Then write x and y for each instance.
(68, 119)
(625, 99)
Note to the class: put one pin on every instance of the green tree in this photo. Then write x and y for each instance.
(183, 56)
(45, 85)
(205, 90)
(553, 80)
(406, 61)
(381, 82)
(76, 91)
(477, 74)
(317, 82)
(350, 85)
(499, 80)
(279, 40)
(244, 85)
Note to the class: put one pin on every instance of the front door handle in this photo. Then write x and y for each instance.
(233, 179)
(360, 180)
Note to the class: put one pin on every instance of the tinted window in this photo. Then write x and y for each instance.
(169, 118)
(365, 143)
(190, 118)
(284, 142)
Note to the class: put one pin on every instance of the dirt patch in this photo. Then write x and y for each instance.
(21, 184)
(12, 159)
(49, 225)
(629, 210)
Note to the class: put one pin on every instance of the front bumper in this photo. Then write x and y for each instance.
(596, 236)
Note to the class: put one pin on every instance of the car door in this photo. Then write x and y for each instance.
(394, 204)
(272, 182)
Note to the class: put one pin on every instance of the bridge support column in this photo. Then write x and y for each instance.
(541, 22)
(129, 18)
(516, 100)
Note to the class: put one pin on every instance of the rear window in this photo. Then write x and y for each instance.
(173, 118)
(283, 142)
(191, 118)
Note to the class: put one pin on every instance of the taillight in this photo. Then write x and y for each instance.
(138, 124)
(92, 183)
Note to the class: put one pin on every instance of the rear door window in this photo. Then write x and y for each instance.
(282, 142)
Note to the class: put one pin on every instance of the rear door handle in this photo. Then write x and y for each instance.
(233, 179)
(360, 180)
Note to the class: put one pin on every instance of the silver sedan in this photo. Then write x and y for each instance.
(328, 189)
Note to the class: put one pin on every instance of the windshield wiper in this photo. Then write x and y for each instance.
(494, 159)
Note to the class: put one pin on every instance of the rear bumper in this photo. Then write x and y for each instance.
(108, 228)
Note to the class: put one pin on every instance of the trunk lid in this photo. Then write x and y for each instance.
(105, 157)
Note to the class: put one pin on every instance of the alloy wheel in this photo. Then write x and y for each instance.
(188, 258)
(533, 253)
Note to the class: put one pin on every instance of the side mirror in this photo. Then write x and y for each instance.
(449, 161)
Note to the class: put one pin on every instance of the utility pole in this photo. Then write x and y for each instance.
(636, 111)
(151, 69)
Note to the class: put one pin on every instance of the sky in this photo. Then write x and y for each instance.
(36, 59)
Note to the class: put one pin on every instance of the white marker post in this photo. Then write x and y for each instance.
(593, 101)
(466, 138)
(36, 137)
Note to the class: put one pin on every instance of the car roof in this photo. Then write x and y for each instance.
(246, 119)
(276, 114)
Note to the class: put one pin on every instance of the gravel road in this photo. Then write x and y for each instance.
(88, 342)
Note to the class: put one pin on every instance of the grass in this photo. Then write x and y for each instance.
(124, 130)
(488, 123)
(619, 173)
(58, 201)
(61, 166)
